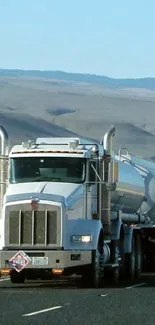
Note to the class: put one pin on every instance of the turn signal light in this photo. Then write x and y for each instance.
(5, 271)
(57, 271)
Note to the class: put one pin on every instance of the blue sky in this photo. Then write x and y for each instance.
(115, 38)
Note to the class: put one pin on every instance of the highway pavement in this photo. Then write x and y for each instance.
(43, 303)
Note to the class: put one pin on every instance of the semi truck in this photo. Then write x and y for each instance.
(70, 205)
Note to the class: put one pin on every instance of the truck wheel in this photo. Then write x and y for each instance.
(131, 261)
(17, 277)
(138, 256)
(96, 269)
(122, 256)
(116, 275)
(93, 276)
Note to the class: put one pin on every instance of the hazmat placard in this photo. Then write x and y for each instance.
(19, 261)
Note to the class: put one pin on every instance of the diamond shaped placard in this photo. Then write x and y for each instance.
(19, 261)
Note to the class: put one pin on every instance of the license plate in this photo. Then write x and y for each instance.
(40, 260)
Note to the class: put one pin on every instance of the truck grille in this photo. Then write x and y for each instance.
(31, 228)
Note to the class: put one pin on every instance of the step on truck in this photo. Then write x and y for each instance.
(74, 206)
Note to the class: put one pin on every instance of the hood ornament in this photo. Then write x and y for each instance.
(34, 203)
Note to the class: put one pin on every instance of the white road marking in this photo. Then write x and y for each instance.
(5, 279)
(42, 311)
(136, 285)
(53, 308)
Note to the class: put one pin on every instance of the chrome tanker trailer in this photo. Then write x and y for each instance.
(70, 205)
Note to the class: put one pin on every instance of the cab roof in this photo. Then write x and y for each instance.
(67, 146)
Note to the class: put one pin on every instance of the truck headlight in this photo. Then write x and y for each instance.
(81, 239)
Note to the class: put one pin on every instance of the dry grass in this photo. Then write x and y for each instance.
(41, 107)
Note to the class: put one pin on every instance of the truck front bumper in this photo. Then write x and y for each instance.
(44, 259)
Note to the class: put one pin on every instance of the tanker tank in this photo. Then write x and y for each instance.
(146, 169)
(130, 190)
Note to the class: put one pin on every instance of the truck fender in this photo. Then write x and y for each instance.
(82, 227)
(128, 233)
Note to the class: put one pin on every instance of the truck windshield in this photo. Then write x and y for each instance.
(48, 169)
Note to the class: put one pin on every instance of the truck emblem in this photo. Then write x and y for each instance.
(19, 261)
(34, 204)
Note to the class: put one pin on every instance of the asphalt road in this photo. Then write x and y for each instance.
(44, 303)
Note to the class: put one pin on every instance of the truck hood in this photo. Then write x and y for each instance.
(64, 193)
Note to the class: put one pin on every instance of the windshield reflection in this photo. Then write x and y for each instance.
(48, 169)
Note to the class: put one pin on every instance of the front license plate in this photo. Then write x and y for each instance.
(40, 260)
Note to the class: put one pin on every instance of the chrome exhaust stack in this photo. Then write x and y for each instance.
(108, 141)
(4, 141)
(104, 192)
(4, 151)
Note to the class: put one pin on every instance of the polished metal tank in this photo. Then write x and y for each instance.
(129, 193)
(130, 190)
(146, 169)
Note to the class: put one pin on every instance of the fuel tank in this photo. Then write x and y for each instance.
(146, 169)
(130, 191)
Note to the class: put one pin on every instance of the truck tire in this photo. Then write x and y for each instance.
(122, 256)
(16, 277)
(138, 256)
(116, 275)
(96, 269)
(130, 261)
(117, 272)
(93, 276)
